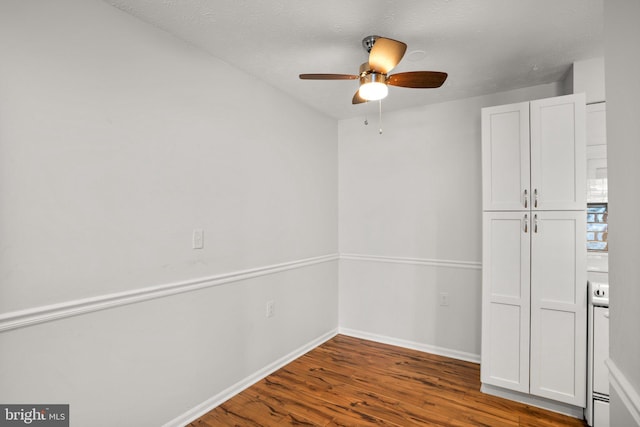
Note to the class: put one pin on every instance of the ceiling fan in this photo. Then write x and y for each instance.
(384, 55)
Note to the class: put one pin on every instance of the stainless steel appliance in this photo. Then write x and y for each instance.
(597, 411)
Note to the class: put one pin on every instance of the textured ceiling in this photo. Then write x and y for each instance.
(486, 46)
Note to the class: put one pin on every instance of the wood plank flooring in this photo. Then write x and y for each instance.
(352, 382)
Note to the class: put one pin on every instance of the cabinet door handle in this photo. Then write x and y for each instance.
(535, 198)
(526, 198)
(526, 223)
(535, 223)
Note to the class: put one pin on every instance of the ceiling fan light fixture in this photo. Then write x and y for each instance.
(373, 87)
(384, 55)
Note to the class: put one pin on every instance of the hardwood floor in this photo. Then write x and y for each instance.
(353, 382)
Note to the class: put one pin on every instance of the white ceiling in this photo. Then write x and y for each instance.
(486, 46)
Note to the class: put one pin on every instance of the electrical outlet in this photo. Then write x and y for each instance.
(443, 298)
(271, 309)
(198, 238)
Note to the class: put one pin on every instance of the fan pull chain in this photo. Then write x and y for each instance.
(380, 112)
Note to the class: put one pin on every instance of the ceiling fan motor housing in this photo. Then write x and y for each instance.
(365, 70)
(367, 42)
(372, 77)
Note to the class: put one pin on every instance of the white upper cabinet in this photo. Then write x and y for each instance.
(533, 155)
(558, 153)
(505, 157)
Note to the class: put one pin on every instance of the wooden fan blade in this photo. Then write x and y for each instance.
(328, 76)
(386, 54)
(418, 79)
(357, 99)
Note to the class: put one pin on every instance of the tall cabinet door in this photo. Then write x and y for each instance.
(558, 153)
(505, 157)
(506, 300)
(559, 306)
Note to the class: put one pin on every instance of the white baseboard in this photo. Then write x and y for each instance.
(247, 382)
(628, 394)
(441, 351)
(540, 402)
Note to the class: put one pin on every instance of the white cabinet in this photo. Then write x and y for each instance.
(505, 158)
(558, 363)
(533, 155)
(534, 303)
(506, 247)
(534, 248)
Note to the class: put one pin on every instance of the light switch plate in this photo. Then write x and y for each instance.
(198, 238)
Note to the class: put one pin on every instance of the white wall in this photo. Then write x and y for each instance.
(116, 141)
(410, 223)
(622, 62)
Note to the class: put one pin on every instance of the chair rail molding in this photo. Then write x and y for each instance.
(41, 314)
(33, 316)
(475, 265)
